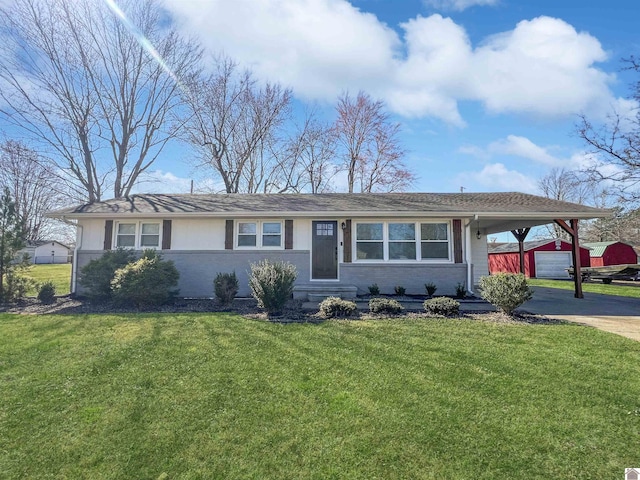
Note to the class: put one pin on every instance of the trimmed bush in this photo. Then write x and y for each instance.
(337, 307)
(461, 290)
(225, 287)
(149, 281)
(271, 284)
(506, 291)
(400, 290)
(47, 292)
(96, 276)
(384, 305)
(430, 288)
(445, 306)
(374, 289)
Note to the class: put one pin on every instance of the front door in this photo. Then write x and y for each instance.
(324, 250)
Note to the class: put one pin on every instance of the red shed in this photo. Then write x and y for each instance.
(542, 258)
(611, 253)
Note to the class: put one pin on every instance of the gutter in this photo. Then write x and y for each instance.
(74, 264)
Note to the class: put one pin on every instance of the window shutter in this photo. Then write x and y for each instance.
(228, 235)
(346, 250)
(457, 241)
(108, 234)
(288, 234)
(166, 235)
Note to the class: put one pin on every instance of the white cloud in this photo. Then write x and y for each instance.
(543, 67)
(158, 181)
(523, 148)
(458, 5)
(497, 177)
(319, 47)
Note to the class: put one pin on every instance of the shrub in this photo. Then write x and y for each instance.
(399, 290)
(384, 305)
(47, 292)
(16, 285)
(506, 291)
(374, 289)
(461, 290)
(225, 287)
(271, 284)
(430, 288)
(337, 307)
(444, 306)
(97, 275)
(148, 281)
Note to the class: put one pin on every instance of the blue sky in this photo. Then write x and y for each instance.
(487, 91)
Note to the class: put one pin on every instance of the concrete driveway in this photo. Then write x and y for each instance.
(620, 315)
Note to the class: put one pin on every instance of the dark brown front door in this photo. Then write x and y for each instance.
(324, 251)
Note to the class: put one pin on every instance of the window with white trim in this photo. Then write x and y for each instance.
(126, 235)
(259, 234)
(434, 241)
(138, 235)
(369, 241)
(402, 241)
(150, 235)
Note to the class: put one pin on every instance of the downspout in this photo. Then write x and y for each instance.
(74, 263)
(467, 248)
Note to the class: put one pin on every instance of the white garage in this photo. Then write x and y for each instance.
(552, 264)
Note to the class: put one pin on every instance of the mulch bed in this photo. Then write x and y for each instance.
(246, 307)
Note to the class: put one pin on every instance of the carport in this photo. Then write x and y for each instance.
(565, 214)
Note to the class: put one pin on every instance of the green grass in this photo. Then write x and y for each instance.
(59, 274)
(219, 396)
(618, 289)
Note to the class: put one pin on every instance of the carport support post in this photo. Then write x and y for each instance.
(521, 234)
(575, 253)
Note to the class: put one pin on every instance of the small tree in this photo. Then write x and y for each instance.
(149, 281)
(97, 275)
(507, 291)
(12, 239)
(271, 284)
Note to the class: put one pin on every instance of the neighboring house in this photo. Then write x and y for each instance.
(46, 251)
(548, 258)
(611, 253)
(340, 243)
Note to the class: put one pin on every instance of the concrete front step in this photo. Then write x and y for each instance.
(317, 293)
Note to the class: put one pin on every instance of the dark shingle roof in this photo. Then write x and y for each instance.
(224, 204)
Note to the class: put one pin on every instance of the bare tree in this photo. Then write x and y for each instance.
(233, 123)
(312, 151)
(569, 186)
(616, 144)
(34, 185)
(95, 85)
(373, 156)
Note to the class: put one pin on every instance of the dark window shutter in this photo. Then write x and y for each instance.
(108, 234)
(457, 241)
(288, 234)
(228, 235)
(166, 235)
(347, 242)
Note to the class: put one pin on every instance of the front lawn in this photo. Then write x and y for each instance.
(619, 289)
(221, 396)
(59, 274)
